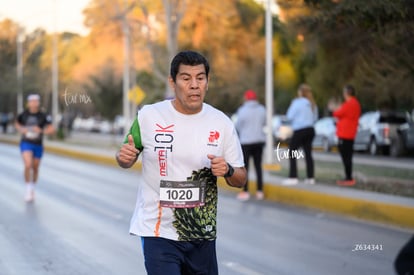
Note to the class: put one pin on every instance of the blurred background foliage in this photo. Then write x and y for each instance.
(325, 43)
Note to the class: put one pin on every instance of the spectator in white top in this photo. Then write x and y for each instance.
(302, 114)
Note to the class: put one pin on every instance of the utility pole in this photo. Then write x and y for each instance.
(19, 40)
(122, 16)
(126, 75)
(55, 71)
(269, 83)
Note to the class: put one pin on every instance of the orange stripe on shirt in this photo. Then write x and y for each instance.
(158, 224)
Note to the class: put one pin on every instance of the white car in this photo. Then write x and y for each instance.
(325, 134)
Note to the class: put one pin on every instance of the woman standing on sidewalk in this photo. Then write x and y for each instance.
(347, 116)
(302, 114)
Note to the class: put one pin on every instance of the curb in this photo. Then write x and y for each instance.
(386, 213)
(87, 157)
(76, 154)
(391, 214)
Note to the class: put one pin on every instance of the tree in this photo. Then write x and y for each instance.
(34, 76)
(174, 11)
(229, 33)
(8, 62)
(354, 41)
(105, 89)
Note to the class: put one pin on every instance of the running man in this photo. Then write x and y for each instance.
(32, 124)
(185, 144)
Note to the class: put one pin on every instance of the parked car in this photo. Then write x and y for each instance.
(83, 124)
(92, 124)
(404, 141)
(377, 130)
(325, 134)
(119, 124)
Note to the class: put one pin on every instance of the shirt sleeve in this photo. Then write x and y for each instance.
(315, 114)
(20, 119)
(135, 131)
(238, 120)
(48, 119)
(290, 114)
(341, 111)
(233, 152)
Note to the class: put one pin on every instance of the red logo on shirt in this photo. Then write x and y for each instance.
(213, 138)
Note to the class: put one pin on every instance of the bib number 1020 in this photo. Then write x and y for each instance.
(182, 195)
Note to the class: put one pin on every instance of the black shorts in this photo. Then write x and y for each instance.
(164, 256)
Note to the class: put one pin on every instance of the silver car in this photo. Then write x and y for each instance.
(404, 141)
(325, 134)
(377, 130)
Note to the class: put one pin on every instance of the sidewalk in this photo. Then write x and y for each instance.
(382, 208)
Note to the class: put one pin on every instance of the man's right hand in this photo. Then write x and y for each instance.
(128, 154)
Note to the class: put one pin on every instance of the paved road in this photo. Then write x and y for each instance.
(79, 225)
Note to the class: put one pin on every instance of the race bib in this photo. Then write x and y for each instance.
(182, 194)
(32, 135)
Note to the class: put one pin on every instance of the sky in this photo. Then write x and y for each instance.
(32, 14)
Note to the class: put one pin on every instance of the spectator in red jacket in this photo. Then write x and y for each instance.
(346, 128)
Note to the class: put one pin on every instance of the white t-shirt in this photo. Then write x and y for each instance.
(175, 148)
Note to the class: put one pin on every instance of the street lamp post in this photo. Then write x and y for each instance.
(55, 72)
(19, 40)
(126, 85)
(55, 82)
(269, 83)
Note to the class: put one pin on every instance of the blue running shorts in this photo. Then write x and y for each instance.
(164, 256)
(37, 149)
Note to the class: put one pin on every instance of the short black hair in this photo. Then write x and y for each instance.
(191, 58)
(349, 89)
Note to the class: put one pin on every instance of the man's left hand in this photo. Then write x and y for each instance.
(219, 165)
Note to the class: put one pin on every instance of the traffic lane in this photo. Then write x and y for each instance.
(77, 225)
(83, 210)
(269, 238)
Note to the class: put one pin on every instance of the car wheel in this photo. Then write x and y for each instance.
(396, 149)
(325, 145)
(373, 147)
